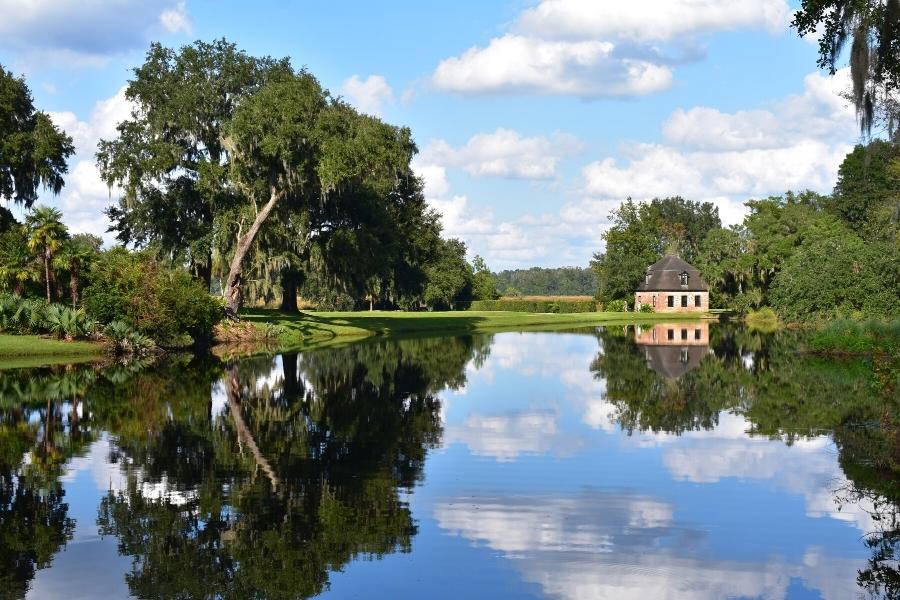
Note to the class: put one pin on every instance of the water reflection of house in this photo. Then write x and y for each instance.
(673, 349)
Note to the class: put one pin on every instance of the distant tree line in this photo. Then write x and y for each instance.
(808, 256)
(538, 281)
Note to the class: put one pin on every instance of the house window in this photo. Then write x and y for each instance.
(684, 279)
(654, 334)
(684, 301)
(684, 334)
(697, 334)
(671, 301)
(671, 334)
(654, 300)
(697, 301)
(685, 355)
(647, 277)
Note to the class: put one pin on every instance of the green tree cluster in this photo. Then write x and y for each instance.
(538, 281)
(642, 233)
(256, 177)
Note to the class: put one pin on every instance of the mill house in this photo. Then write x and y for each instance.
(672, 285)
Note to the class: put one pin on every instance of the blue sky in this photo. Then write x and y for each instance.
(533, 118)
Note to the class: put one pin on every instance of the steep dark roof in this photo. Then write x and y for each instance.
(673, 361)
(665, 276)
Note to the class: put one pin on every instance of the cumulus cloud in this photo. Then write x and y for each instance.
(370, 95)
(726, 158)
(599, 49)
(504, 153)
(85, 33)
(85, 195)
(515, 64)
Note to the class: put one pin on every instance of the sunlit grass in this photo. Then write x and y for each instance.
(30, 350)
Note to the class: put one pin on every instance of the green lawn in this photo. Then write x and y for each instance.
(318, 328)
(33, 350)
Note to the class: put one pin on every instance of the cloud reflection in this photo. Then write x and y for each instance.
(599, 544)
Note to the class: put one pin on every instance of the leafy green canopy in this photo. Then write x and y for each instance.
(641, 233)
(170, 157)
(33, 151)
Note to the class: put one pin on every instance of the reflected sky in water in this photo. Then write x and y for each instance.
(544, 475)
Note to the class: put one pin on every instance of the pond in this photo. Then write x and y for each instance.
(673, 461)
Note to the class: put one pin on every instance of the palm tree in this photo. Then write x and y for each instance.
(17, 265)
(46, 234)
(74, 255)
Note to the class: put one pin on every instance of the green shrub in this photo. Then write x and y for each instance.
(764, 319)
(617, 306)
(533, 306)
(164, 304)
(646, 308)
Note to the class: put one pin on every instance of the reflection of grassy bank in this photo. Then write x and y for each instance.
(29, 350)
(318, 328)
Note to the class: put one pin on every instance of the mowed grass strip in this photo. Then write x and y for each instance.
(319, 327)
(31, 350)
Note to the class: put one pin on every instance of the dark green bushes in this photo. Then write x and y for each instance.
(164, 304)
(535, 306)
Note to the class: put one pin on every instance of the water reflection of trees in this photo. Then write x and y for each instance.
(787, 395)
(299, 473)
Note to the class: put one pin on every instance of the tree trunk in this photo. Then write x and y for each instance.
(73, 284)
(47, 272)
(288, 294)
(204, 270)
(232, 291)
(371, 302)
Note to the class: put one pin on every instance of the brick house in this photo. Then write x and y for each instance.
(672, 285)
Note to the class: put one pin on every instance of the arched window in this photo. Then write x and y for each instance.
(684, 279)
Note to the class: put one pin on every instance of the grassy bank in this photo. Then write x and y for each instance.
(853, 337)
(319, 328)
(31, 350)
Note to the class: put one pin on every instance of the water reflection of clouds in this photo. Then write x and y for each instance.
(598, 544)
(504, 437)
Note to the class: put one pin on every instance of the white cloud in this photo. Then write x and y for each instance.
(176, 19)
(85, 195)
(599, 48)
(370, 95)
(504, 153)
(515, 64)
(726, 158)
(650, 20)
(85, 33)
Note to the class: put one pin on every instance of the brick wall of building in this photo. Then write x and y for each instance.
(661, 304)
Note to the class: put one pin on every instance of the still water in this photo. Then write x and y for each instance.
(674, 461)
